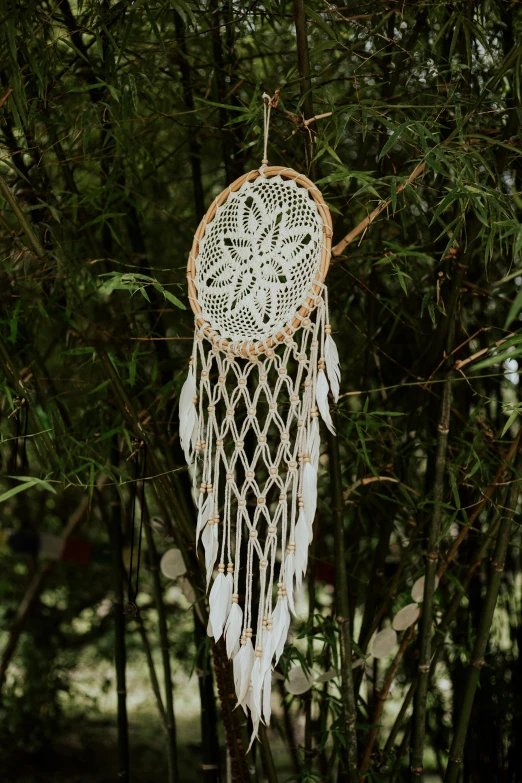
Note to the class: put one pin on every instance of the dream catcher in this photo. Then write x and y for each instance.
(262, 365)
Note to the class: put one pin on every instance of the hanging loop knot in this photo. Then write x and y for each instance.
(269, 103)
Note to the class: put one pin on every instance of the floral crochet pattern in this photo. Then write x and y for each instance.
(258, 258)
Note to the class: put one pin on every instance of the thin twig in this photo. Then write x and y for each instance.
(363, 225)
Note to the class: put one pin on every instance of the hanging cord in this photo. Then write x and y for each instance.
(131, 609)
(20, 409)
(269, 103)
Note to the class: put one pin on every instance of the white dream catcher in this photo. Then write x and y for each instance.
(262, 365)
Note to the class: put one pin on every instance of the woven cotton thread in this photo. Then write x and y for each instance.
(258, 258)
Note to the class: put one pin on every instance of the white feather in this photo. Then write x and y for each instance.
(246, 663)
(219, 602)
(289, 580)
(309, 494)
(194, 435)
(247, 701)
(257, 687)
(276, 625)
(187, 432)
(255, 717)
(203, 515)
(188, 416)
(268, 650)
(236, 666)
(283, 627)
(321, 395)
(210, 632)
(233, 628)
(314, 443)
(333, 368)
(267, 692)
(230, 589)
(301, 548)
(210, 542)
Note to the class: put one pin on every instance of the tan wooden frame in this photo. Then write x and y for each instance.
(251, 347)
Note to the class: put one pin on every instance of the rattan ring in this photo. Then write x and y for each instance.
(248, 348)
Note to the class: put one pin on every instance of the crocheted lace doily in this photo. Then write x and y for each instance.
(258, 258)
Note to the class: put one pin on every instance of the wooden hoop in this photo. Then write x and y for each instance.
(252, 347)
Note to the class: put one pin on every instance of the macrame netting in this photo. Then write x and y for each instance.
(262, 365)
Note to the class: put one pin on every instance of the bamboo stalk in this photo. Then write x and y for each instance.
(303, 64)
(152, 670)
(120, 656)
(481, 641)
(383, 695)
(432, 557)
(236, 735)
(267, 759)
(446, 560)
(210, 755)
(433, 553)
(442, 629)
(20, 215)
(165, 649)
(343, 612)
(188, 99)
(305, 86)
(288, 725)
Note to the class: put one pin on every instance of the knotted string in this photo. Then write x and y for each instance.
(269, 103)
